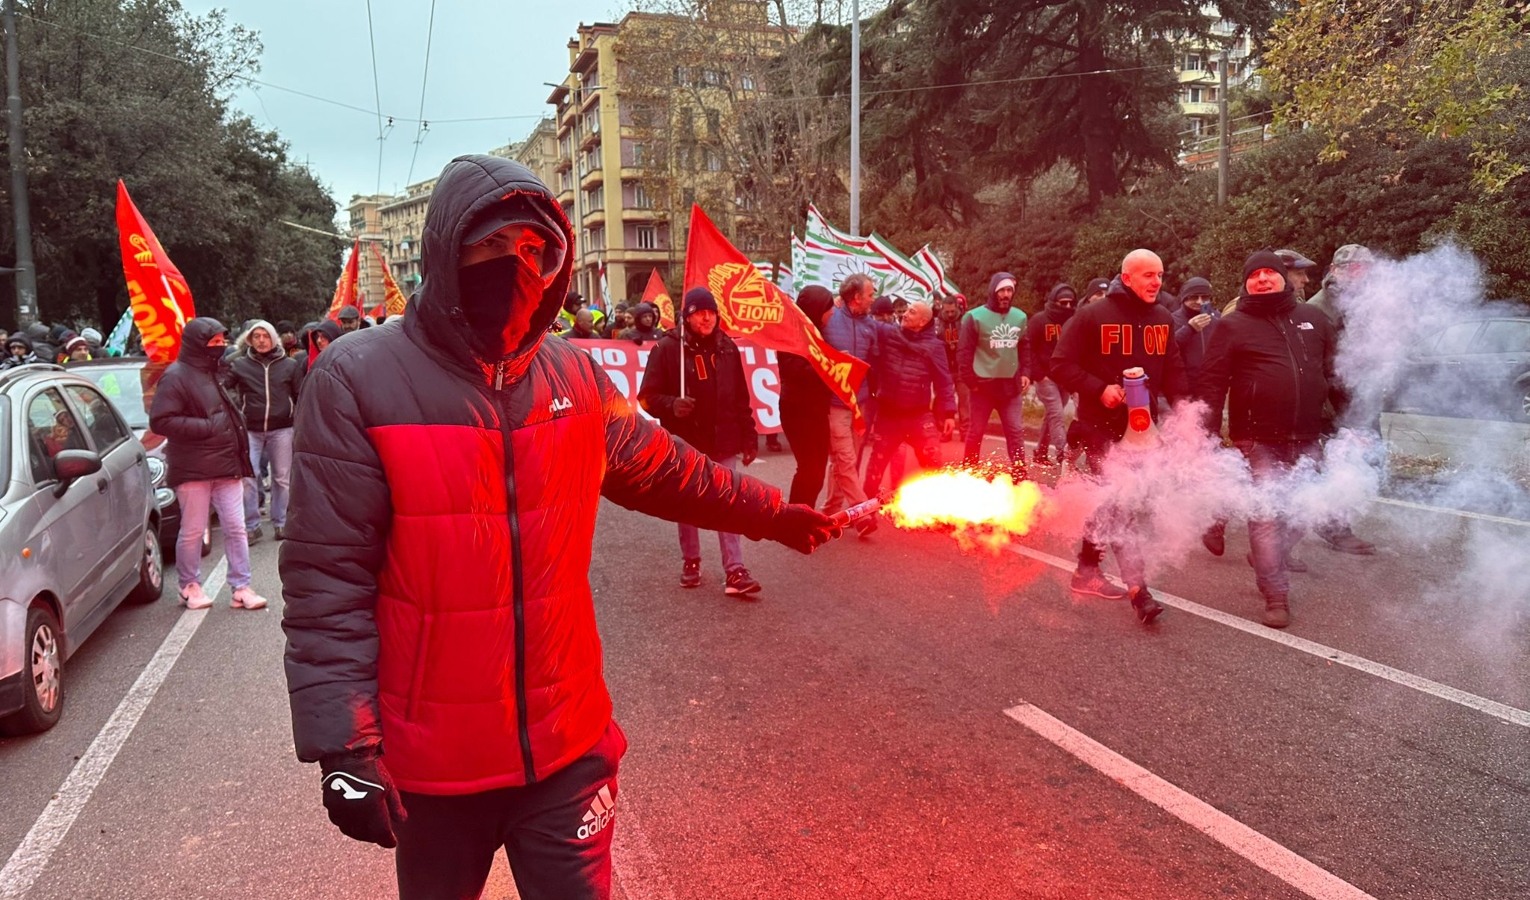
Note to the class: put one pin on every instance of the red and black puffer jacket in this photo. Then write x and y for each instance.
(439, 537)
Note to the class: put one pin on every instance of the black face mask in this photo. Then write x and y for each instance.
(499, 298)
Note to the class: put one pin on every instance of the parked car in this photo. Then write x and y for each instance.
(1473, 368)
(78, 532)
(129, 383)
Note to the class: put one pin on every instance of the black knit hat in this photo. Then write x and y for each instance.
(697, 299)
(1266, 259)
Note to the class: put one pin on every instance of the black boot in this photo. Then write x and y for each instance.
(1147, 608)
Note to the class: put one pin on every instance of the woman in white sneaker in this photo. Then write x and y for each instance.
(208, 454)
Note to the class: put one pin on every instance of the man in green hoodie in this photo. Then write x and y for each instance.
(993, 358)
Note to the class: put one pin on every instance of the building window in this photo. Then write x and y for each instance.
(594, 200)
(592, 121)
(1193, 94)
(711, 159)
(746, 82)
(597, 239)
(1192, 62)
(714, 123)
(647, 237)
(640, 198)
(639, 155)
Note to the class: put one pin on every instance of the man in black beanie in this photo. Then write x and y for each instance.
(1274, 356)
(708, 406)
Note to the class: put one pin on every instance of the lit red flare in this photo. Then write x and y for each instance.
(982, 511)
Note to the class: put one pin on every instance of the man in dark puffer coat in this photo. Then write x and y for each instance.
(913, 369)
(441, 631)
(208, 454)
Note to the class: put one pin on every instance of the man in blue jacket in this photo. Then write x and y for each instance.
(851, 330)
(913, 368)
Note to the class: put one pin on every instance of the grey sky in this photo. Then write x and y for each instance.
(489, 58)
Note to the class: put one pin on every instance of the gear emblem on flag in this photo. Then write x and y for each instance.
(746, 304)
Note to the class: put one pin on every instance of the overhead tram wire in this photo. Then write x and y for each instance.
(419, 134)
(377, 96)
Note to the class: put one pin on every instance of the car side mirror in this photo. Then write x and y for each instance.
(72, 465)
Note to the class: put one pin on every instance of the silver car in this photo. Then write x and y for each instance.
(78, 532)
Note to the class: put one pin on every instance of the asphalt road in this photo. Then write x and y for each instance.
(846, 735)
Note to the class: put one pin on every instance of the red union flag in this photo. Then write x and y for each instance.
(159, 296)
(752, 307)
(393, 298)
(657, 294)
(346, 293)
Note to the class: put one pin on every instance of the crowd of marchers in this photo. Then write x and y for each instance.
(1260, 357)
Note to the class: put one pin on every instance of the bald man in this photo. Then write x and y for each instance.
(1127, 329)
(912, 369)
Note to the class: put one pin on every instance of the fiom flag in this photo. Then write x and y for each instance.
(159, 297)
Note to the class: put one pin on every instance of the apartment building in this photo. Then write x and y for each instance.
(402, 223)
(607, 174)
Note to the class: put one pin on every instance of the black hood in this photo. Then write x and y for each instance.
(645, 309)
(18, 339)
(814, 301)
(1118, 291)
(1056, 313)
(467, 188)
(993, 289)
(194, 349)
(37, 331)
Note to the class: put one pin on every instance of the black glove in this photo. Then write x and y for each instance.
(361, 799)
(802, 528)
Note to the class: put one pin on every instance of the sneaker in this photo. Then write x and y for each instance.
(741, 584)
(1147, 608)
(1277, 613)
(1215, 539)
(246, 598)
(1091, 581)
(192, 596)
(281, 533)
(1345, 542)
(690, 573)
(1295, 565)
(253, 536)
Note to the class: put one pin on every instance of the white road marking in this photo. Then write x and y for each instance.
(1419, 683)
(1465, 514)
(31, 858)
(1310, 879)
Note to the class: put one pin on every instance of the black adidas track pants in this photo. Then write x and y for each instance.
(556, 834)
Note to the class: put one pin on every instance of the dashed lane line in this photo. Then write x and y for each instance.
(1463, 513)
(26, 865)
(1300, 873)
(1419, 683)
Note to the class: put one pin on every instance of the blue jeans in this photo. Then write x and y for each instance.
(1011, 412)
(729, 543)
(1054, 431)
(197, 499)
(274, 447)
(1270, 540)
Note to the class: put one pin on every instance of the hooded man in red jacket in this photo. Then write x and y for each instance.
(442, 660)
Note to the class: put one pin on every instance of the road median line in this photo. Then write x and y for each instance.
(1274, 858)
(1418, 683)
(26, 865)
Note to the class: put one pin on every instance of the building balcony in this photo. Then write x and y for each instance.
(590, 139)
(566, 196)
(1199, 110)
(1197, 76)
(586, 58)
(593, 177)
(594, 217)
(641, 214)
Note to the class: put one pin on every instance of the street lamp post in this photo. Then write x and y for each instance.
(855, 117)
(26, 272)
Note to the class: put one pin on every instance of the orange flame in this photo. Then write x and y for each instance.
(980, 511)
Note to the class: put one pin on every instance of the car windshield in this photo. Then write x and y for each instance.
(129, 387)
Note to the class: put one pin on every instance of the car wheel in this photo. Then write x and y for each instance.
(1521, 402)
(42, 673)
(151, 571)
